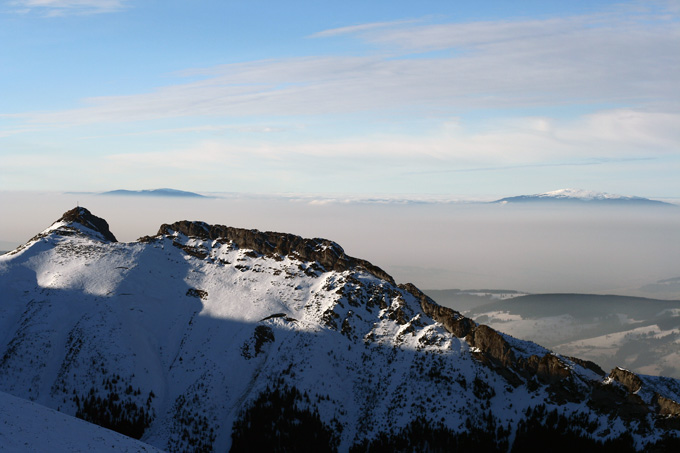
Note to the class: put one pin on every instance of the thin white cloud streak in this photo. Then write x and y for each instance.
(216, 129)
(67, 7)
(17, 131)
(608, 139)
(359, 28)
(607, 133)
(604, 135)
(492, 65)
(632, 17)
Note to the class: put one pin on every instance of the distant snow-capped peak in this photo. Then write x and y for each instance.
(581, 194)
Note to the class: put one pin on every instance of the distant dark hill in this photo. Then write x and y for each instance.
(637, 333)
(154, 193)
(582, 197)
(578, 305)
(464, 300)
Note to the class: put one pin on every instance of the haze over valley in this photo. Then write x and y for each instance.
(432, 242)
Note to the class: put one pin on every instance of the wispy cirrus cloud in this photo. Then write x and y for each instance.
(67, 7)
(630, 61)
(353, 29)
(633, 16)
(622, 143)
(614, 136)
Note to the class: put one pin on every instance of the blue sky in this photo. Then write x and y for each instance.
(489, 98)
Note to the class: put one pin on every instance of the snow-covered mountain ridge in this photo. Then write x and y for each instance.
(582, 196)
(174, 193)
(202, 337)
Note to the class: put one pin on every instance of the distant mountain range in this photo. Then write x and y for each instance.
(579, 196)
(154, 193)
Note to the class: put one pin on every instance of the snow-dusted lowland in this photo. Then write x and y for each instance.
(210, 338)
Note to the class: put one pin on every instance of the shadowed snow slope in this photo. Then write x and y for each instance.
(30, 427)
(205, 337)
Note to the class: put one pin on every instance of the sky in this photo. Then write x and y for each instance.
(446, 98)
(368, 123)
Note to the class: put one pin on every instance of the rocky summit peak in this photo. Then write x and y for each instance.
(84, 217)
(325, 252)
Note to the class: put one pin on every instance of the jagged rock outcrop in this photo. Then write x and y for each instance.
(490, 342)
(491, 345)
(666, 406)
(617, 401)
(627, 378)
(548, 368)
(452, 320)
(639, 389)
(588, 365)
(84, 217)
(322, 251)
(64, 226)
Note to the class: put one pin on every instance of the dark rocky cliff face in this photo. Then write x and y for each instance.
(667, 406)
(87, 219)
(78, 215)
(495, 351)
(627, 378)
(322, 251)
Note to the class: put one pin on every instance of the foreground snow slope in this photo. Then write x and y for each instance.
(30, 427)
(186, 338)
